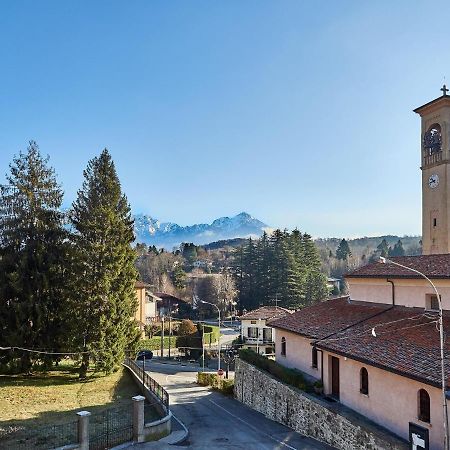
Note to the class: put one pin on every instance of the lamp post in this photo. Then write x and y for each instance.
(441, 343)
(218, 310)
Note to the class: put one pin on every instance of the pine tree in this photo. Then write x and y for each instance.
(343, 251)
(315, 285)
(383, 248)
(33, 252)
(398, 249)
(103, 234)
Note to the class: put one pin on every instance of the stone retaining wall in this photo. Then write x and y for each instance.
(311, 416)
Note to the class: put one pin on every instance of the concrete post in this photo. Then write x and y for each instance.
(83, 429)
(138, 418)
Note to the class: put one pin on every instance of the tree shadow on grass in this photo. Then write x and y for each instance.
(58, 428)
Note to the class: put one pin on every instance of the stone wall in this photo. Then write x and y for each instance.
(311, 416)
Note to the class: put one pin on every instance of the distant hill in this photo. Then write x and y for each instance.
(169, 235)
(366, 245)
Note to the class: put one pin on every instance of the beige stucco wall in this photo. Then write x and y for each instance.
(140, 310)
(408, 292)
(298, 353)
(392, 399)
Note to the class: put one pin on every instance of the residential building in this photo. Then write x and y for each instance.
(377, 350)
(146, 310)
(256, 333)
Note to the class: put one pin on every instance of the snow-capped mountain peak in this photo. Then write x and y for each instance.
(151, 231)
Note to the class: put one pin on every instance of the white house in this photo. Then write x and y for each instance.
(256, 333)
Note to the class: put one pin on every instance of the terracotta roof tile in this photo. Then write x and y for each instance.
(325, 318)
(266, 313)
(406, 341)
(433, 266)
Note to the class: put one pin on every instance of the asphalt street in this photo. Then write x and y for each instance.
(218, 422)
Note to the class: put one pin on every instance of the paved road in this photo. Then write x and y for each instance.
(218, 422)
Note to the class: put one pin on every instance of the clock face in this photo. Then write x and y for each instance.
(433, 181)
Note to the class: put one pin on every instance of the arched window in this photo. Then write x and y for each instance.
(283, 346)
(364, 381)
(424, 406)
(432, 140)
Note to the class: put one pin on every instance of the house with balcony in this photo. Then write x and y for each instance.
(256, 333)
(147, 309)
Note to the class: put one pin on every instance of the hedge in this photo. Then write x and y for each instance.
(154, 343)
(226, 386)
(212, 333)
(289, 376)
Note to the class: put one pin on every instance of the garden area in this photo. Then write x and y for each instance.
(183, 333)
(32, 405)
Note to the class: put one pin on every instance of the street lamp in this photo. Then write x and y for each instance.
(212, 304)
(441, 343)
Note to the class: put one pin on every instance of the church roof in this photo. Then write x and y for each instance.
(437, 102)
(433, 266)
(406, 340)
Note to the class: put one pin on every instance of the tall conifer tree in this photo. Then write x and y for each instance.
(33, 250)
(103, 234)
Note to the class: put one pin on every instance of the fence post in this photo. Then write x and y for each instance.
(83, 429)
(138, 418)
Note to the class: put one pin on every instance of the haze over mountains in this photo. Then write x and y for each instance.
(151, 231)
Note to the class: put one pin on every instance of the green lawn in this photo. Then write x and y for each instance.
(27, 402)
(57, 395)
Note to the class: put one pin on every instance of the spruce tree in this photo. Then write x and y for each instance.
(33, 251)
(343, 250)
(104, 262)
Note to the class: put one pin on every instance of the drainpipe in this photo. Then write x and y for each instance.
(393, 291)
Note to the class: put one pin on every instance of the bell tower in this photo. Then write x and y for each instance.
(435, 166)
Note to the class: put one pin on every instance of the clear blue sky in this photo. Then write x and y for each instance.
(297, 112)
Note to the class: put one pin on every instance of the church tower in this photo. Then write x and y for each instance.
(435, 165)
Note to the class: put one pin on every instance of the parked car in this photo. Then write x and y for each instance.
(147, 354)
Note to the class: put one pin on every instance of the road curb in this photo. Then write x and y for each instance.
(172, 439)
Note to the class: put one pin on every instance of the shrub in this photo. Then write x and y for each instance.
(154, 343)
(211, 335)
(289, 376)
(226, 386)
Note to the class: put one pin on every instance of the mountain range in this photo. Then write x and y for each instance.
(151, 231)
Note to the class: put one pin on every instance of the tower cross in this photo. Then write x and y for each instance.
(444, 90)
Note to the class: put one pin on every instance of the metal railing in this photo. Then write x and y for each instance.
(157, 390)
(432, 158)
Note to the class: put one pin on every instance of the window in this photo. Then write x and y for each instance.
(424, 406)
(267, 334)
(314, 358)
(432, 302)
(364, 381)
(252, 332)
(283, 346)
(434, 222)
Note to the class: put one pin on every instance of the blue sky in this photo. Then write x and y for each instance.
(297, 112)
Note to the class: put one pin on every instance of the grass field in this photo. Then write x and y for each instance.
(56, 395)
(29, 404)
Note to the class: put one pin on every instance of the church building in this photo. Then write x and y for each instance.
(379, 350)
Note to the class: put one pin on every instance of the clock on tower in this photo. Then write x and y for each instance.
(435, 165)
